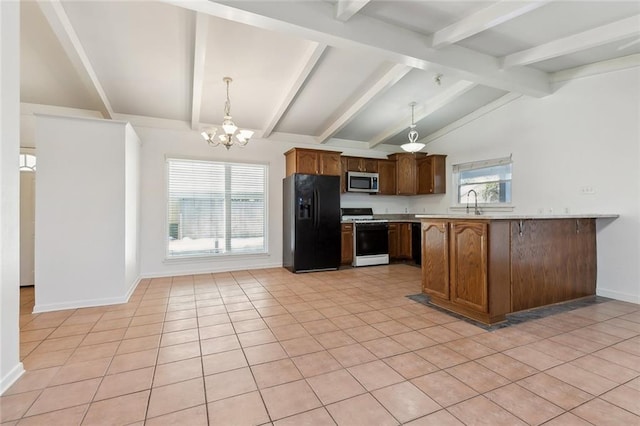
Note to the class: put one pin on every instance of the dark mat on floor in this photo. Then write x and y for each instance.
(518, 317)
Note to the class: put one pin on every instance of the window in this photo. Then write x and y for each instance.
(490, 179)
(27, 163)
(215, 208)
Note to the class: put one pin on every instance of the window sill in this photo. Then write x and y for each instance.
(215, 257)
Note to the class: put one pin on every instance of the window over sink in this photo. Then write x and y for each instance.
(489, 179)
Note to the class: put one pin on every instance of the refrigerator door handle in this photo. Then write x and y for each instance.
(316, 201)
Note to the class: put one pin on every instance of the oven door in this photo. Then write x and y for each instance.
(371, 239)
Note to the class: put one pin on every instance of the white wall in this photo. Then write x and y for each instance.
(82, 232)
(586, 134)
(10, 365)
(132, 209)
(159, 144)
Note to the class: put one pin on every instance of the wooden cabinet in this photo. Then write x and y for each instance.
(406, 172)
(343, 174)
(435, 258)
(431, 175)
(404, 240)
(347, 243)
(564, 266)
(485, 268)
(468, 264)
(311, 161)
(360, 164)
(387, 177)
(393, 241)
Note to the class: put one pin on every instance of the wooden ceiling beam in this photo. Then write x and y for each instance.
(345, 9)
(315, 20)
(387, 80)
(604, 34)
(424, 110)
(199, 60)
(484, 19)
(55, 14)
(309, 62)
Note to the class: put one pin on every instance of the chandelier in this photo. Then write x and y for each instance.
(412, 145)
(228, 127)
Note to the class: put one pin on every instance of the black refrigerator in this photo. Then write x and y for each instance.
(311, 222)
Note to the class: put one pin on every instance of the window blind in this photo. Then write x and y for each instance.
(215, 208)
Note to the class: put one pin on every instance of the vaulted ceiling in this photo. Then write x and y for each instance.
(315, 71)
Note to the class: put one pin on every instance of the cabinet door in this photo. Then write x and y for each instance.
(307, 162)
(406, 174)
(404, 240)
(430, 175)
(393, 240)
(347, 244)
(435, 258)
(329, 163)
(355, 164)
(343, 174)
(369, 165)
(468, 251)
(387, 177)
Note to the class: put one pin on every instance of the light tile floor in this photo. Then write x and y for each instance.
(346, 347)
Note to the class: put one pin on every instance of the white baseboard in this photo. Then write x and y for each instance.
(625, 297)
(209, 270)
(11, 377)
(87, 303)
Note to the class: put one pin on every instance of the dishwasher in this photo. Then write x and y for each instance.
(416, 243)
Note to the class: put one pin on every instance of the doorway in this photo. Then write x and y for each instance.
(27, 218)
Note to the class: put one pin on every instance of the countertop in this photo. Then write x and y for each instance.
(512, 216)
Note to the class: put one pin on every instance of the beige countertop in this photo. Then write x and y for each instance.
(505, 216)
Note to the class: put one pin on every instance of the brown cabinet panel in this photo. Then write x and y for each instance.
(430, 172)
(343, 174)
(360, 164)
(468, 273)
(329, 163)
(552, 261)
(393, 240)
(405, 173)
(347, 243)
(387, 177)
(312, 161)
(435, 258)
(404, 240)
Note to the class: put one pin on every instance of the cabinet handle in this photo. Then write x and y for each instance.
(577, 226)
(521, 227)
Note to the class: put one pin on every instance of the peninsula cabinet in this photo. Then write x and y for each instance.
(487, 268)
(313, 162)
(386, 177)
(431, 178)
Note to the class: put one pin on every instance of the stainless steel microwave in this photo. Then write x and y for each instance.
(362, 182)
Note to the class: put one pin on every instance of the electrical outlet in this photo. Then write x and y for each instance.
(540, 210)
(587, 190)
(406, 210)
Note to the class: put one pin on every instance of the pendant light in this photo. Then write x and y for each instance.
(412, 146)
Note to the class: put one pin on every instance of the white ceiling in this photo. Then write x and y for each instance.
(320, 71)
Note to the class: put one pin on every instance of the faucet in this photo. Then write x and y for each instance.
(476, 211)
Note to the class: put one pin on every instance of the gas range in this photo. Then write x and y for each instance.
(360, 215)
(370, 237)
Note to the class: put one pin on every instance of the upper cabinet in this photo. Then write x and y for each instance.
(387, 177)
(400, 174)
(406, 172)
(431, 177)
(359, 164)
(313, 162)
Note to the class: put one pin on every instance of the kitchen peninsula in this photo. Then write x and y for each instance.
(487, 266)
